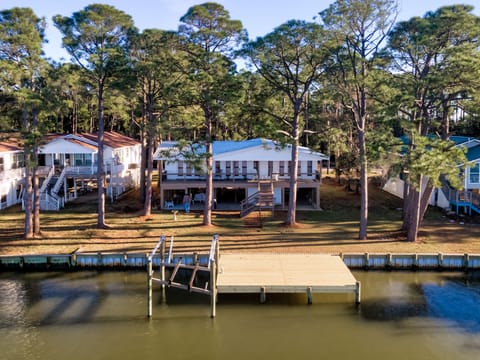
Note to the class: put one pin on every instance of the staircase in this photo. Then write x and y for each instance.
(261, 200)
(49, 198)
(469, 200)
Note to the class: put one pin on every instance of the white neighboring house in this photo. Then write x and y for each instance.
(12, 174)
(446, 197)
(69, 166)
(241, 169)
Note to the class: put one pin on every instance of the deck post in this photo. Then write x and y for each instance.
(309, 295)
(217, 254)
(358, 292)
(149, 283)
(213, 289)
(162, 271)
(263, 295)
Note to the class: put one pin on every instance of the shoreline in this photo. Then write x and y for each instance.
(139, 260)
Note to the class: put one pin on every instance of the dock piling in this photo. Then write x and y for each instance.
(309, 295)
(358, 292)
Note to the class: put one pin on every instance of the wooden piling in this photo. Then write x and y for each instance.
(358, 292)
(149, 284)
(162, 272)
(263, 295)
(309, 295)
(213, 289)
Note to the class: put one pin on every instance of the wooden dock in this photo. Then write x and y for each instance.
(285, 273)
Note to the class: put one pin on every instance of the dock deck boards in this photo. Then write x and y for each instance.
(283, 273)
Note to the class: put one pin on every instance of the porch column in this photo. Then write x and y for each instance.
(317, 202)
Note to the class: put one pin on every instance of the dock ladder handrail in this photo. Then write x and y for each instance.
(211, 268)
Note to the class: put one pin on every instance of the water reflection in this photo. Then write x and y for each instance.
(102, 315)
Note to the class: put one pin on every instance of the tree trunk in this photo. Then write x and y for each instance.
(149, 194)
(28, 203)
(36, 202)
(143, 141)
(414, 216)
(207, 212)
(292, 198)
(362, 235)
(100, 166)
(35, 184)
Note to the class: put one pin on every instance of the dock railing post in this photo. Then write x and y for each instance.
(217, 254)
(213, 288)
(162, 271)
(149, 281)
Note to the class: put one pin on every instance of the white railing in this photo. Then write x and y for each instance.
(61, 179)
(81, 170)
(49, 202)
(50, 174)
(12, 174)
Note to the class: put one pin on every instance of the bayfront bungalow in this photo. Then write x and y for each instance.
(241, 169)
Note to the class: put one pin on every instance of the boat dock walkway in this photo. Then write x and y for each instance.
(285, 273)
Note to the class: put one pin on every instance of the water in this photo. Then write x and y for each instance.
(89, 315)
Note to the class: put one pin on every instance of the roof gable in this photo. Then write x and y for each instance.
(112, 139)
(67, 145)
(9, 147)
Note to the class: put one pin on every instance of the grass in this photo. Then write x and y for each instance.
(332, 230)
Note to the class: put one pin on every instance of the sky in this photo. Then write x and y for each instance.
(259, 17)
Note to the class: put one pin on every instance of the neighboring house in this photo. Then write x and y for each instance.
(446, 197)
(12, 174)
(241, 170)
(68, 166)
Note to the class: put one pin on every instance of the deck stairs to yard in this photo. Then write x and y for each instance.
(260, 201)
(50, 200)
(468, 200)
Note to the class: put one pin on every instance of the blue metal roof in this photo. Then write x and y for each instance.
(225, 146)
(473, 153)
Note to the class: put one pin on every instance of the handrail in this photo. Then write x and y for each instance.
(50, 174)
(59, 182)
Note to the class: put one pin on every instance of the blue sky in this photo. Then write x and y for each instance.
(259, 17)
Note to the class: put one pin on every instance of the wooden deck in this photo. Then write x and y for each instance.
(285, 273)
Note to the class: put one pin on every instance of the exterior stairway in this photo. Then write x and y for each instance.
(261, 200)
(469, 200)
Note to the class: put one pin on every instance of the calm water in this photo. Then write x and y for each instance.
(89, 315)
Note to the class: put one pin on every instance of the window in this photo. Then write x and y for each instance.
(78, 159)
(180, 168)
(1, 164)
(236, 168)
(218, 168)
(270, 168)
(189, 169)
(228, 167)
(282, 168)
(244, 168)
(475, 174)
(299, 170)
(309, 168)
(18, 161)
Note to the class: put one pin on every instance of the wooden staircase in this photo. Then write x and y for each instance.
(261, 200)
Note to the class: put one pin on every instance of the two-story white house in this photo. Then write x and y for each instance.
(239, 170)
(69, 166)
(12, 174)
